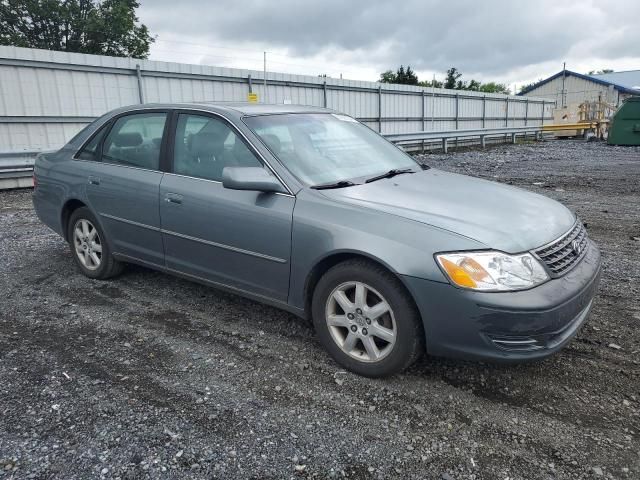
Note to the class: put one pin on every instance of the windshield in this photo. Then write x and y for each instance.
(321, 148)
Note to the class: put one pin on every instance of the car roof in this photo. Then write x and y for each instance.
(230, 110)
(237, 108)
(266, 109)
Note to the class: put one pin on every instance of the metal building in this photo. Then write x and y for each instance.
(629, 79)
(582, 98)
(570, 89)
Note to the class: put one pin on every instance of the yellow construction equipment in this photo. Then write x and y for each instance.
(589, 119)
(570, 126)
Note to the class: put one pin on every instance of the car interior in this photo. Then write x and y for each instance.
(204, 146)
(135, 141)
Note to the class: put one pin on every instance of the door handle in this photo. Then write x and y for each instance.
(173, 198)
(94, 180)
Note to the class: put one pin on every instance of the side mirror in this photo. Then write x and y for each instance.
(250, 178)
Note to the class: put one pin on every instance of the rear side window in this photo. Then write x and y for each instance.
(135, 141)
(90, 150)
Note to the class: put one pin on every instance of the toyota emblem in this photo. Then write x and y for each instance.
(577, 248)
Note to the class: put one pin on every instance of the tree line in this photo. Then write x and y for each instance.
(453, 81)
(106, 27)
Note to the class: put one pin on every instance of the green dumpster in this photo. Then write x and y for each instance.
(624, 128)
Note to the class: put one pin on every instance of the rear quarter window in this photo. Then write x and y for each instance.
(90, 150)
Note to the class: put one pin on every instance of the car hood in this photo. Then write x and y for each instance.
(499, 216)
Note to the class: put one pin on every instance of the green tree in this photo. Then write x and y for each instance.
(108, 27)
(524, 88)
(388, 77)
(452, 80)
(474, 85)
(402, 76)
(409, 77)
(493, 87)
(431, 83)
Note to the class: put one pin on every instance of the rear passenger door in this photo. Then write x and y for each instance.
(123, 185)
(236, 238)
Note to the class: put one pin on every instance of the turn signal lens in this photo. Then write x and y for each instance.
(492, 271)
(475, 270)
(458, 274)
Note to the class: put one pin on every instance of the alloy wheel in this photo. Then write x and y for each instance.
(361, 321)
(87, 243)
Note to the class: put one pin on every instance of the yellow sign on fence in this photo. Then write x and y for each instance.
(252, 97)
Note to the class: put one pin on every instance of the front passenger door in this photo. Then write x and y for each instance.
(236, 238)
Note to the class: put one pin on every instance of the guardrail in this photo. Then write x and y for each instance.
(418, 139)
(16, 168)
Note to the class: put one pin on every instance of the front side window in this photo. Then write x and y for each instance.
(205, 145)
(135, 140)
(322, 148)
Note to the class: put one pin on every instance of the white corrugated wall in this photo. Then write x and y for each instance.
(46, 96)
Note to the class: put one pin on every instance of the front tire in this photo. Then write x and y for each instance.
(366, 319)
(89, 247)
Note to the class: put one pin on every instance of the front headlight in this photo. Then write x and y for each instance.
(492, 271)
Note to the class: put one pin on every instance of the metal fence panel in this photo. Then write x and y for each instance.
(46, 96)
(471, 108)
(401, 127)
(15, 137)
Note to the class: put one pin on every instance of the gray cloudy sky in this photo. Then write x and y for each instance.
(507, 41)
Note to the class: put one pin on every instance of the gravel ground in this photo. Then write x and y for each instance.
(149, 376)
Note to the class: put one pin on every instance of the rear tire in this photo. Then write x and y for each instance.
(89, 247)
(366, 319)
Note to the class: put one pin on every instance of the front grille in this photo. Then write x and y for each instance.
(563, 254)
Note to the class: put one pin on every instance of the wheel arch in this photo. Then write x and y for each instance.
(332, 259)
(70, 206)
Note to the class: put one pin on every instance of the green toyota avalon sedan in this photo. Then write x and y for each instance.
(310, 211)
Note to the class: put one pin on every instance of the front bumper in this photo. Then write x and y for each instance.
(507, 326)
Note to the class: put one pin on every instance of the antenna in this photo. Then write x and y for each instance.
(564, 92)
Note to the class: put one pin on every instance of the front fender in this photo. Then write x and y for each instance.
(324, 227)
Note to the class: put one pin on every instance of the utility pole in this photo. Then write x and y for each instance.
(264, 77)
(433, 100)
(564, 74)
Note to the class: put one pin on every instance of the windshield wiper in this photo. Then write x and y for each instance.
(391, 173)
(340, 184)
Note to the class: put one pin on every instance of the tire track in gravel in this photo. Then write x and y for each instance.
(184, 325)
(199, 323)
(82, 359)
(87, 300)
(489, 394)
(95, 370)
